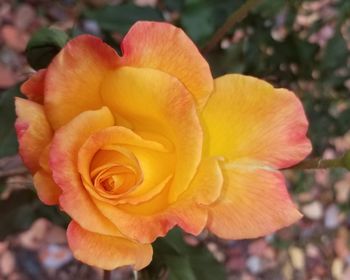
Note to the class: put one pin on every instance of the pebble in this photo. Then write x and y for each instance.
(254, 264)
(313, 210)
(332, 217)
(337, 268)
(7, 263)
(297, 257)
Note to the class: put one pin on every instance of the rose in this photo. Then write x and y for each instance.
(130, 146)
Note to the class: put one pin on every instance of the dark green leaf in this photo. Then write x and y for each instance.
(44, 45)
(119, 18)
(16, 212)
(8, 139)
(176, 259)
(22, 208)
(201, 18)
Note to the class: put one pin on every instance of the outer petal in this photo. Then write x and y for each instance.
(33, 132)
(105, 251)
(74, 77)
(189, 212)
(33, 88)
(254, 202)
(64, 161)
(248, 118)
(167, 48)
(46, 188)
(153, 101)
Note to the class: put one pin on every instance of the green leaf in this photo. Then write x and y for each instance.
(44, 45)
(16, 212)
(8, 139)
(179, 261)
(201, 18)
(119, 18)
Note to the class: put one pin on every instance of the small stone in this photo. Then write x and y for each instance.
(254, 264)
(297, 257)
(312, 251)
(7, 263)
(7, 77)
(14, 37)
(55, 256)
(342, 189)
(313, 210)
(337, 268)
(332, 217)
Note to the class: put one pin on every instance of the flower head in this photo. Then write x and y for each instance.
(130, 146)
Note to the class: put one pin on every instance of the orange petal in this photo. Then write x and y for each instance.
(33, 132)
(153, 101)
(105, 251)
(145, 222)
(74, 77)
(254, 202)
(64, 165)
(247, 118)
(46, 188)
(167, 48)
(33, 88)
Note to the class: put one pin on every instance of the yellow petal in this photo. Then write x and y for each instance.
(246, 118)
(153, 101)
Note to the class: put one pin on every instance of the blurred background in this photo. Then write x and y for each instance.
(301, 45)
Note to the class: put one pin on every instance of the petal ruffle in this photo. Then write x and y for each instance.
(64, 161)
(74, 77)
(33, 88)
(167, 48)
(189, 211)
(33, 131)
(254, 202)
(107, 252)
(246, 118)
(152, 101)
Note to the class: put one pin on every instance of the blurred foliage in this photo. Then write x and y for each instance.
(8, 141)
(21, 208)
(291, 43)
(177, 260)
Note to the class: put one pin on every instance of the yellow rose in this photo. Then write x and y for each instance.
(130, 146)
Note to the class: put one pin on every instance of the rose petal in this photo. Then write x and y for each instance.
(153, 101)
(254, 202)
(154, 218)
(155, 162)
(33, 88)
(107, 252)
(46, 188)
(167, 48)
(74, 77)
(33, 132)
(64, 165)
(247, 118)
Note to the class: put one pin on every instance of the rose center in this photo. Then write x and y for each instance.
(115, 172)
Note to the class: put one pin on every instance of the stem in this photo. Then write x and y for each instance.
(319, 163)
(107, 274)
(231, 21)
